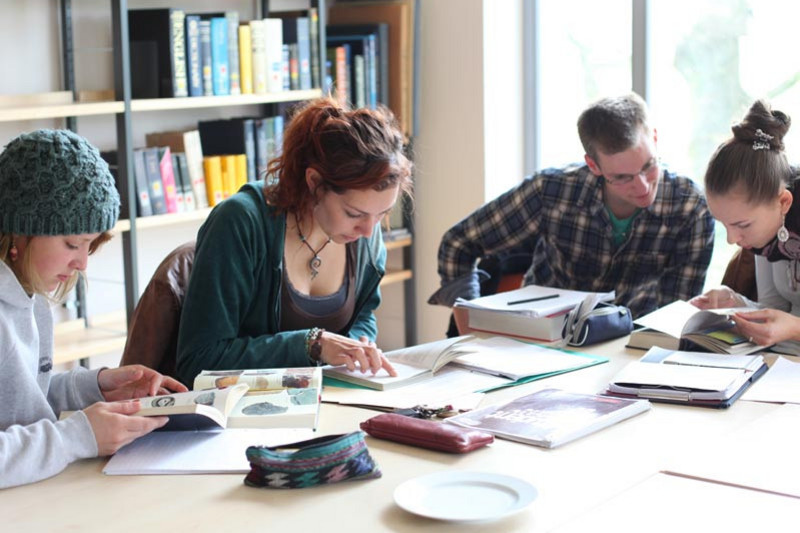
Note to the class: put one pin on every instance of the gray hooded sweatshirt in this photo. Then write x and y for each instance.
(34, 444)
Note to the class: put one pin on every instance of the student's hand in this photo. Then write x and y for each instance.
(135, 381)
(114, 427)
(768, 326)
(363, 353)
(718, 299)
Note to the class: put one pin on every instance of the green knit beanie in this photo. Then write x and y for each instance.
(53, 182)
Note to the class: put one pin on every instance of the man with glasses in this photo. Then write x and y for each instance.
(619, 221)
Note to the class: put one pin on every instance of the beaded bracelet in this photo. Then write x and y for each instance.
(313, 345)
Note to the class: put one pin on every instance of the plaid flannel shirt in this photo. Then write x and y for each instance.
(559, 217)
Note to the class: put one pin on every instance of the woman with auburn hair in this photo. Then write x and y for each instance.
(750, 187)
(286, 270)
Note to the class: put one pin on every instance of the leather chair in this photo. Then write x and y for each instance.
(153, 332)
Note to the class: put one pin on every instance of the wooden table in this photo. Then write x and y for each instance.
(571, 480)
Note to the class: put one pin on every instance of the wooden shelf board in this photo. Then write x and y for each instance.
(158, 221)
(58, 111)
(396, 276)
(74, 341)
(163, 104)
(398, 243)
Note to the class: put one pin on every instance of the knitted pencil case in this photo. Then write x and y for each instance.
(319, 461)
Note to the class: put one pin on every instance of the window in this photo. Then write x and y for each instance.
(585, 55)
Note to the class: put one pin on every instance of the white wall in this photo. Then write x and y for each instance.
(469, 147)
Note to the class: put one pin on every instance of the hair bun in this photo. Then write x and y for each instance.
(763, 127)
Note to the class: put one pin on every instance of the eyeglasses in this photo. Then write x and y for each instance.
(621, 180)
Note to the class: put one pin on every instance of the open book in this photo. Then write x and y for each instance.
(693, 378)
(194, 409)
(680, 325)
(550, 417)
(277, 397)
(514, 361)
(532, 312)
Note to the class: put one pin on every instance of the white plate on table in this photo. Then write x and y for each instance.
(463, 496)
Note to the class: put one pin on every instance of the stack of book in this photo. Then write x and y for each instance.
(532, 312)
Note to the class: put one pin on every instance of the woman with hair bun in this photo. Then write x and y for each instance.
(750, 188)
(286, 270)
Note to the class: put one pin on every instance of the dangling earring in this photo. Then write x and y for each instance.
(783, 233)
(13, 253)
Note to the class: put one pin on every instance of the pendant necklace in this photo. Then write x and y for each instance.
(315, 262)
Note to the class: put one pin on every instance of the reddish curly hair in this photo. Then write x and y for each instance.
(349, 149)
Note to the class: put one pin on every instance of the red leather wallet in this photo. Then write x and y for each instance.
(426, 433)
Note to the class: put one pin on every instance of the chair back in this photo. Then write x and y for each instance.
(153, 332)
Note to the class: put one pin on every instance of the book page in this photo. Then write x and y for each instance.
(276, 408)
(515, 359)
(779, 384)
(452, 385)
(193, 452)
(669, 319)
(711, 360)
(431, 355)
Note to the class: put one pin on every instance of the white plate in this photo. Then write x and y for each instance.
(464, 496)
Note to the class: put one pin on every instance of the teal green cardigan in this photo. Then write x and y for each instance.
(232, 310)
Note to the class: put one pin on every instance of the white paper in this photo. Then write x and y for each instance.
(196, 452)
(780, 384)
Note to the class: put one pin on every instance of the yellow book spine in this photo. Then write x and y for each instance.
(228, 174)
(213, 169)
(241, 170)
(245, 59)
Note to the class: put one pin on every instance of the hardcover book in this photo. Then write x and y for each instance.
(550, 417)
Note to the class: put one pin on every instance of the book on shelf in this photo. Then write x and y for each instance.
(229, 137)
(183, 181)
(680, 325)
(206, 67)
(515, 361)
(188, 143)
(220, 74)
(212, 167)
(689, 378)
(532, 312)
(232, 17)
(157, 46)
(375, 39)
(399, 16)
(276, 78)
(152, 167)
(168, 179)
(313, 34)
(194, 66)
(551, 417)
(245, 58)
(143, 203)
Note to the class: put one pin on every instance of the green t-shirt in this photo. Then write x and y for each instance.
(621, 228)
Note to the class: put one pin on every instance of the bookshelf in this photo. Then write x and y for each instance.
(98, 334)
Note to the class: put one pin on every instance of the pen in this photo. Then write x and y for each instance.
(537, 299)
